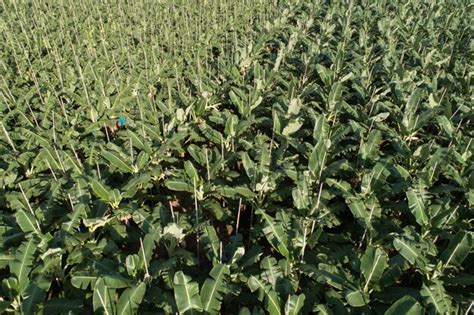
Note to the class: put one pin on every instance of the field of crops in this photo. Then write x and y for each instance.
(236, 157)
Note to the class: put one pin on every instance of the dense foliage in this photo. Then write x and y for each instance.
(236, 157)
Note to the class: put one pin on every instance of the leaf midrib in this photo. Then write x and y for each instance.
(214, 288)
(372, 271)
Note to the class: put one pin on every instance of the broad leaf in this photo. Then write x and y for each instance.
(317, 158)
(191, 172)
(405, 305)
(213, 288)
(83, 280)
(458, 249)
(119, 162)
(27, 222)
(34, 294)
(275, 234)
(179, 185)
(436, 299)
(335, 95)
(62, 306)
(130, 299)
(233, 192)
(356, 298)
(417, 207)
(271, 271)
(292, 127)
(103, 298)
(370, 148)
(372, 265)
(409, 252)
(23, 262)
(100, 190)
(294, 304)
(249, 166)
(186, 293)
(272, 301)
